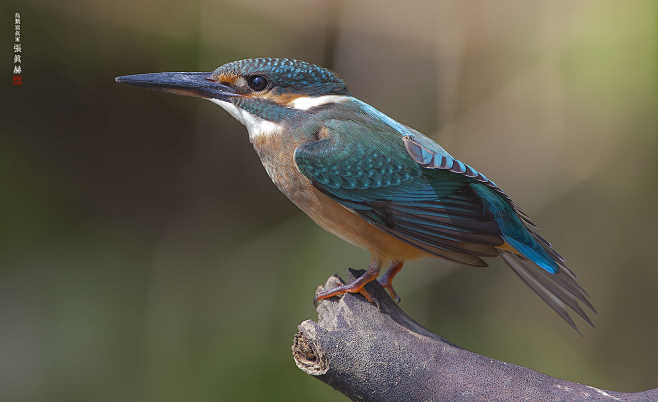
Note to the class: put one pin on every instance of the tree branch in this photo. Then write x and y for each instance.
(372, 353)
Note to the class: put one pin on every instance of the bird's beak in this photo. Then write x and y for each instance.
(189, 84)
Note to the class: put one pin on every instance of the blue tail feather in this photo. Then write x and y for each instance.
(531, 253)
(513, 230)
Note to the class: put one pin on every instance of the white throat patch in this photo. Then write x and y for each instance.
(308, 102)
(256, 126)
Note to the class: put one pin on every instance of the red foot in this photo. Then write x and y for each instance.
(387, 280)
(356, 286)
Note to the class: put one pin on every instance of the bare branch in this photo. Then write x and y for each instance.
(379, 353)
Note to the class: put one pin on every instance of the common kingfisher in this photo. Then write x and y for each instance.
(373, 181)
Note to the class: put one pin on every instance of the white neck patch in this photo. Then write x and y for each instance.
(256, 126)
(308, 102)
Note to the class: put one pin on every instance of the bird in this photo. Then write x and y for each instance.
(373, 181)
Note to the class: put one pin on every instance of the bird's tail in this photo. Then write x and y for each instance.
(533, 259)
(559, 290)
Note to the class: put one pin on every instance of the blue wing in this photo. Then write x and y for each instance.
(554, 283)
(407, 185)
(375, 177)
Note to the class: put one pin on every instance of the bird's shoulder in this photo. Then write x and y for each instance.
(352, 150)
(355, 140)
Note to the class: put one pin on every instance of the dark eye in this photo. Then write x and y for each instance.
(257, 83)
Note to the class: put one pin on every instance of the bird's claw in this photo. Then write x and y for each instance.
(387, 280)
(356, 286)
(389, 287)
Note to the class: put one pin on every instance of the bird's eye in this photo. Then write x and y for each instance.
(257, 83)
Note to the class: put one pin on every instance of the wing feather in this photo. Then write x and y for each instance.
(401, 181)
(435, 211)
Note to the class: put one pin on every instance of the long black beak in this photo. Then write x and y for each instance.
(189, 84)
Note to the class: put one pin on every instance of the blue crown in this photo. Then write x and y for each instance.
(288, 75)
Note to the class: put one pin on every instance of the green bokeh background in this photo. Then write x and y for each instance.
(146, 256)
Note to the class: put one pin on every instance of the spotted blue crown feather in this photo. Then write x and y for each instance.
(289, 75)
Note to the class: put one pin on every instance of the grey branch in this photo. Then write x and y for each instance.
(379, 353)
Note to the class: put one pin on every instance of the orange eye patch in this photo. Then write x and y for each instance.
(227, 78)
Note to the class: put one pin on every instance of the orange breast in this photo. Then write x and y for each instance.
(350, 227)
(276, 154)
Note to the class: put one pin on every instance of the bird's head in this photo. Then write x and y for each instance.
(257, 91)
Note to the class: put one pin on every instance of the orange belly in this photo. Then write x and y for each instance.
(276, 154)
(352, 228)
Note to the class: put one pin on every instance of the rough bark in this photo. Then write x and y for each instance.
(378, 353)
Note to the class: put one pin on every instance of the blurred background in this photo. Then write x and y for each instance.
(146, 256)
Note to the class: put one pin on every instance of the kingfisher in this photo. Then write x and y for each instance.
(372, 181)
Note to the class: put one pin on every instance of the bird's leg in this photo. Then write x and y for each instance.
(387, 279)
(356, 286)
